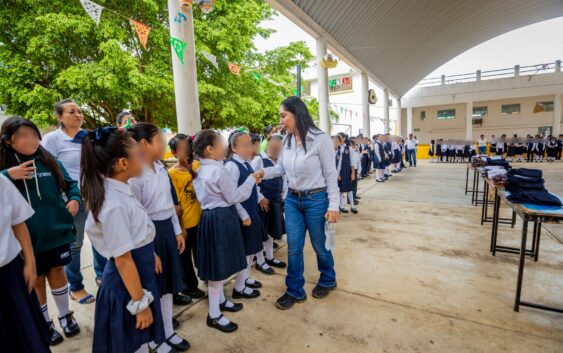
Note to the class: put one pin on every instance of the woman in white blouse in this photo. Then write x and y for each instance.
(308, 162)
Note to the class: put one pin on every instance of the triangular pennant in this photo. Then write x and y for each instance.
(92, 9)
(142, 31)
(179, 47)
(256, 75)
(212, 58)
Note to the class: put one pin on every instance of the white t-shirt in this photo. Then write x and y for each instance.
(66, 149)
(124, 223)
(482, 142)
(14, 210)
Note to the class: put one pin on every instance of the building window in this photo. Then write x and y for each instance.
(547, 106)
(446, 114)
(510, 108)
(341, 84)
(479, 112)
(422, 115)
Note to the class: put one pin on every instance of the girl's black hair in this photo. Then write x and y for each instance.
(255, 138)
(303, 119)
(8, 155)
(275, 137)
(202, 139)
(432, 141)
(233, 138)
(173, 144)
(101, 149)
(60, 106)
(143, 131)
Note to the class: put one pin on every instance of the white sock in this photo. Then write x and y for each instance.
(222, 298)
(60, 296)
(247, 272)
(351, 199)
(240, 280)
(342, 200)
(214, 289)
(45, 311)
(143, 349)
(260, 260)
(269, 247)
(167, 314)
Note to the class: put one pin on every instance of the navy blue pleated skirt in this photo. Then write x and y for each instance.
(254, 235)
(23, 328)
(220, 246)
(170, 280)
(345, 181)
(114, 326)
(273, 220)
(396, 156)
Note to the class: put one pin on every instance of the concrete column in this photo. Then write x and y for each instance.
(409, 120)
(366, 129)
(386, 109)
(398, 117)
(185, 75)
(469, 121)
(322, 77)
(557, 103)
(557, 65)
(517, 71)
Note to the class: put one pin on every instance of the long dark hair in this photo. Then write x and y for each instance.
(8, 155)
(233, 138)
(303, 119)
(173, 144)
(202, 139)
(101, 149)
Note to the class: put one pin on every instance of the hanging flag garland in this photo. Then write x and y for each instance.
(179, 47)
(256, 75)
(234, 68)
(92, 9)
(142, 32)
(211, 58)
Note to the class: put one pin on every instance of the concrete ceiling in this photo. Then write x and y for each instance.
(399, 42)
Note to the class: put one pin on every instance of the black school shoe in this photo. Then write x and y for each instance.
(276, 263)
(233, 309)
(71, 329)
(354, 210)
(343, 210)
(286, 301)
(254, 285)
(194, 293)
(56, 337)
(181, 299)
(267, 271)
(320, 292)
(276, 245)
(242, 295)
(180, 347)
(214, 323)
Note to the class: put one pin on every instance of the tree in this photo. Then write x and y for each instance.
(52, 50)
(313, 107)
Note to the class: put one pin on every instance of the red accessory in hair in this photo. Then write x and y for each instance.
(191, 138)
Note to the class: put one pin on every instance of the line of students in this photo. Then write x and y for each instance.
(387, 157)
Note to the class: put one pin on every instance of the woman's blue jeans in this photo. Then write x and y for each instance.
(304, 213)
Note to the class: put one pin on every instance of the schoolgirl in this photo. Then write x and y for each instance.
(274, 191)
(518, 149)
(396, 162)
(388, 156)
(501, 146)
(127, 318)
(220, 247)
(355, 159)
(240, 152)
(432, 151)
(182, 174)
(55, 198)
(152, 189)
(379, 159)
(540, 148)
(472, 151)
(346, 175)
(444, 156)
(21, 314)
(493, 148)
(451, 153)
(531, 149)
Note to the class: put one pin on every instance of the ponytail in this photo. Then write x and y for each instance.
(233, 138)
(173, 144)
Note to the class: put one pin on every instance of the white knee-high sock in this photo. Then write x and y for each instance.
(214, 289)
(260, 259)
(269, 247)
(60, 296)
(351, 199)
(166, 308)
(240, 280)
(342, 200)
(45, 311)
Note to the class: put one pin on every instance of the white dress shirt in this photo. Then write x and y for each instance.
(14, 210)
(124, 223)
(60, 145)
(154, 191)
(214, 187)
(355, 159)
(410, 144)
(234, 174)
(482, 142)
(311, 169)
(264, 155)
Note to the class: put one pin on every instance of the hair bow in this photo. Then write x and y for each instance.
(241, 129)
(191, 138)
(101, 133)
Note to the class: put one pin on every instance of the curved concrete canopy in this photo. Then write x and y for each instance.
(399, 42)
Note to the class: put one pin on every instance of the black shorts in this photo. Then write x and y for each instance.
(52, 258)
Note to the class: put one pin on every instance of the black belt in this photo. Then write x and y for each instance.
(306, 192)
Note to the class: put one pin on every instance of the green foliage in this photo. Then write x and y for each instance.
(53, 50)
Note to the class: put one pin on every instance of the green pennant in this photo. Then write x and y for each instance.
(179, 47)
(256, 75)
(128, 124)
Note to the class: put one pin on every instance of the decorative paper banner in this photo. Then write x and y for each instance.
(234, 68)
(256, 75)
(179, 47)
(142, 31)
(180, 17)
(92, 9)
(212, 59)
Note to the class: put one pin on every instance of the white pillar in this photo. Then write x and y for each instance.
(366, 129)
(469, 121)
(557, 103)
(409, 120)
(398, 116)
(322, 77)
(386, 109)
(185, 75)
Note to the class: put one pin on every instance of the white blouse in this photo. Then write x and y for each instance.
(124, 223)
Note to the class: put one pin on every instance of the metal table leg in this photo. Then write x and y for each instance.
(521, 266)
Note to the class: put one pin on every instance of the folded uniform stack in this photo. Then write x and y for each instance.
(499, 162)
(527, 186)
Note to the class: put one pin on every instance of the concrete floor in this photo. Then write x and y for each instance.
(414, 275)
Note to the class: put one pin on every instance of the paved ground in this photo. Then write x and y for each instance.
(414, 275)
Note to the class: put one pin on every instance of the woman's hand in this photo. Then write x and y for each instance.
(72, 206)
(144, 319)
(332, 216)
(29, 274)
(264, 205)
(22, 171)
(180, 242)
(157, 265)
(247, 222)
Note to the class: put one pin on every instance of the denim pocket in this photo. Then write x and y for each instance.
(318, 197)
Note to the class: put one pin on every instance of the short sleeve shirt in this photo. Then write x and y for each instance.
(66, 149)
